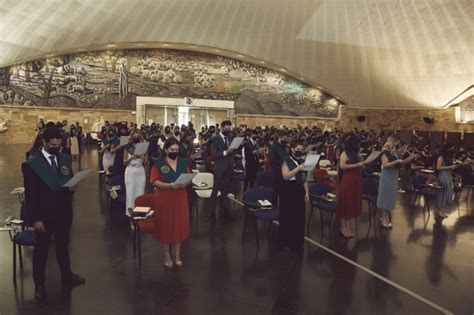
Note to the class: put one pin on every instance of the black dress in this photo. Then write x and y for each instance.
(293, 208)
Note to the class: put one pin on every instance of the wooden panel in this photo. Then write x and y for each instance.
(436, 139)
(406, 136)
(454, 138)
(468, 139)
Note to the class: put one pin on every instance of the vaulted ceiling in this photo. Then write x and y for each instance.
(370, 53)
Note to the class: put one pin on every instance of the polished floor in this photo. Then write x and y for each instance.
(222, 275)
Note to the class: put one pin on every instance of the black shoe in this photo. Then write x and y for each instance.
(40, 294)
(73, 280)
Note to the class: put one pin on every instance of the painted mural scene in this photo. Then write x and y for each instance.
(113, 78)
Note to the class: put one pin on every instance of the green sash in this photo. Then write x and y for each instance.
(301, 175)
(54, 180)
(168, 174)
(129, 148)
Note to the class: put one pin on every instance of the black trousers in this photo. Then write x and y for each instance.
(277, 183)
(292, 214)
(222, 182)
(250, 175)
(61, 231)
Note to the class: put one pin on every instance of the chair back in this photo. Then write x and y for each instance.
(370, 186)
(252, 195)
(320, 175)
(264, 179)
(147, 200)
(117, 180)
(324, 163)
(419, 182)
(319, 189)
(203, 177)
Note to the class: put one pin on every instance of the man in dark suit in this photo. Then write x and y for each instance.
(49, 207)
(252, 161)
(223, 157)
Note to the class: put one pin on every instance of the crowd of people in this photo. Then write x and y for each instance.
(174, 150)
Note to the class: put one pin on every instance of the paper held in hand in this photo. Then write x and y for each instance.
(77, 178)
(311, 161)
(123, 140)
(409, 158)
(236, 143)
(141, 148)
(373, 156)
(185, 178)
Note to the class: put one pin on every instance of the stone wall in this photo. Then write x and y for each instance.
(253, 121)
(21, 121)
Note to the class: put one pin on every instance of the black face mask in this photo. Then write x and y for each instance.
(176, 132)
(111, 135)
(136, 140)
(298, 153)
(167, 130)
(53, 151)
(284, 143)
(173, 155)
(226, 133)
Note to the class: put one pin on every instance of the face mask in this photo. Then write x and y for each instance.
(111, 134)
(136, 140)
(298, 153)
(284, 143)
(176, 132)
(225, 133)
(173, 155)
(254, 138)
(53, 151)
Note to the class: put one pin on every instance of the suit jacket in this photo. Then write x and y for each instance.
(43, 203)
(221, 163)
(251, 159)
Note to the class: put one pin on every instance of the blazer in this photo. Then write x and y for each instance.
(250, 158)
(43, 203)
(221, 163)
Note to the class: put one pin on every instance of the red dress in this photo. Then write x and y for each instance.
(349, 194)
(171, 212)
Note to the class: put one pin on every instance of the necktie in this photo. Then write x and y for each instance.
(53, 163)
(226, 142)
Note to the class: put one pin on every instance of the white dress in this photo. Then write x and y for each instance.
(107, 159)
(135, 180)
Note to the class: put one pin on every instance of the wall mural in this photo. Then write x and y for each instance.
(113, 78)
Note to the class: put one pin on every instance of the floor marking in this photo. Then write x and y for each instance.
(382, 278)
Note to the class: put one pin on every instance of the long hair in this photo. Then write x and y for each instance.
(446, 152)
(390, 143)
(135, 131)
(168, 143)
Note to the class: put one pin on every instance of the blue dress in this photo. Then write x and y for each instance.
(388, 184)
(444, 196)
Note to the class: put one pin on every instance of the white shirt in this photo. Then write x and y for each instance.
(47, 156)
(223, 139)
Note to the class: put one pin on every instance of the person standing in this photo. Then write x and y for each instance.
(223, 157)
(349, 193)
(74, 143)
(49, 207)
(252, 161)
(278, 153)
(444, 167)
(293, 197)
(388, 182)
(171, 202)
(109, 143)
(135, 178)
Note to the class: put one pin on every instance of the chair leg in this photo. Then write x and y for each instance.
(269, 229)
(322, 223)
(414, 202)
(14, 262)
(134, 238)
(370, 212)
(139, 246)
(256, 233)
(309, 220)
(245, 226)
(20, 256)
(330, 220)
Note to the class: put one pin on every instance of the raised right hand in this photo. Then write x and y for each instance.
(39, 226)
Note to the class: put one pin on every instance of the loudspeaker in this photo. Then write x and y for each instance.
(428, 120)
(360, 118)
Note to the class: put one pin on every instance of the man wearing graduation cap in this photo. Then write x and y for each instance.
(49, 207)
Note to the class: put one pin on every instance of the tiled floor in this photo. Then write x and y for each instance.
(222, 275)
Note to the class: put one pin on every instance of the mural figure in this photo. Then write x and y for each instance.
(123, 81)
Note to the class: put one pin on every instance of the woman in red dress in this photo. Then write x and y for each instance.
(171, 202)
(349, 193)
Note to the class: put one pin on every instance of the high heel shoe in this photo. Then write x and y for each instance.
(178, 262)
(169, 265)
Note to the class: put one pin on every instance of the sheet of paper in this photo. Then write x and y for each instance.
(141, 148)
(123, 140)
(77, 178)
(373, 156)
(311, 161)
(236, 142)
(409, 158)
(309, 148)
(141, 209)
(185, 179)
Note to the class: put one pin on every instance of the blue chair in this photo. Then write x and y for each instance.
(264, 179)
(251, 196)
(316, 192)
(117, 180)
(422, 189)
(26, 237)
(370, 191)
